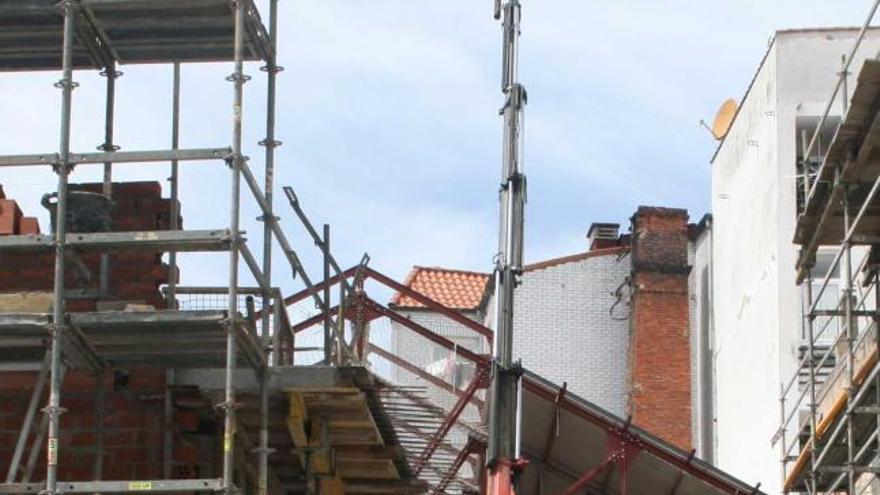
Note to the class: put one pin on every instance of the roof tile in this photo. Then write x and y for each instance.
(455, 289)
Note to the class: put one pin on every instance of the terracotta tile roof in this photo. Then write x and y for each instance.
(456, 289)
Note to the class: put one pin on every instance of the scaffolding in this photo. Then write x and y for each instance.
(830, 407)
(100, 35)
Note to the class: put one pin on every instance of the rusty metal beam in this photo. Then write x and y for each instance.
(430, 303)
(419, 372)
(451, 419)
(303, 294)
(581, 483)
(480, 360)
(314, 320)
(470, 447)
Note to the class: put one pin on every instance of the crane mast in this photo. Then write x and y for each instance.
(503, 457)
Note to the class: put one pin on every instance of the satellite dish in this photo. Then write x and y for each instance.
(724, 118)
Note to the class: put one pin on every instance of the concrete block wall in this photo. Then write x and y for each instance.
(567, 331)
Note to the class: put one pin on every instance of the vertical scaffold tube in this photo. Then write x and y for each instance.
(174, 222)
(53, 410)
(107, 186)
(850, 341)
(271, 68)
(238, 78)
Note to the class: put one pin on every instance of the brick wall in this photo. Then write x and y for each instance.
(133, 422)
(133, 426)
(569, 329)
(660, 350)
(134, 276)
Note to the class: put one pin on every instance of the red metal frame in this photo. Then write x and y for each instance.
(335, 279)
(314, 320)
(667, 455)
(471, 447)
(387, 281)
(430, 303)
(477, 382)
(480, 360)
(415, 370)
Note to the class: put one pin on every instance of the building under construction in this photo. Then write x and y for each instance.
(829, 431)
(114, 378)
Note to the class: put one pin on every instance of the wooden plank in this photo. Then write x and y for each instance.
(332, 486)
(366, 468)
(368, 451)
(296, 420)
(385, 487)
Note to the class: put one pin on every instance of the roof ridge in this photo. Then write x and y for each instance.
(449, 270)
(572, 258)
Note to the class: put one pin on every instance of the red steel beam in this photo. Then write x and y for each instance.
(314, 320)
(451, 419)
(419, 372)
(668, 455)
(469, 448)
(589, 476)
(481, 361)
(299, 296)
(429, 303)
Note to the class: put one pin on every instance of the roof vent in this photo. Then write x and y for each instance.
(603, 235)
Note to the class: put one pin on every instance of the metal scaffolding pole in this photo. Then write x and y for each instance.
(328, 318)
(503, 419)
(108, 147)
(235, 162)
(174, 221)
(26, 426)
(57, 327)
(808, 321)
(168, 425)
(272, 70)
(263, 451)
(850, 341)
(100, 408)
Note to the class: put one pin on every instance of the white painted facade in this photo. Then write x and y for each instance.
(757, 306)
(701, 340)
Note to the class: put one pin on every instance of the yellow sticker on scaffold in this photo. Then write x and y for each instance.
(140, 486)
(52, 452)
(227, 443)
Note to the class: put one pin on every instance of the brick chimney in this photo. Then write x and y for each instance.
(660, 362)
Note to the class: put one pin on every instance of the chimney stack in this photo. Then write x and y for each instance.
(660, 357)
(603, 235)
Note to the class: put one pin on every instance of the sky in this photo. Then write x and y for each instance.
(388, 111)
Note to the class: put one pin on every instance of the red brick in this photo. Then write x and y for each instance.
(119, 438)
(149, 471)
(660, 371)
(186, 453)
(29, 226)
(130, 455)
(186, 420)
(10, 217)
